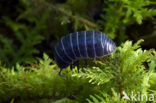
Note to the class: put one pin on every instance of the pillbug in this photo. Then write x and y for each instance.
(83, 44)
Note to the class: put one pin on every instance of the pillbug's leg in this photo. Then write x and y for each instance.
(82, 67)
(86, 63)
(109, 56)
(71, 66)
(105, 61)
(78, 66)
(95, 61)
(60, 73)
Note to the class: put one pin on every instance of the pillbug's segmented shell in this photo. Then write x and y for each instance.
(83, 44)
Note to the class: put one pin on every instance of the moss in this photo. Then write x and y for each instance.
(102, 82)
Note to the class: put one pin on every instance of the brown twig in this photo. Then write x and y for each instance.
(118, 79)
(51, 6)
(120, 87)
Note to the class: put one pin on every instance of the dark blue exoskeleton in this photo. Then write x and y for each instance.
(83, 44)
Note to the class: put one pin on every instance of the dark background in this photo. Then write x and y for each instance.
(28, 28)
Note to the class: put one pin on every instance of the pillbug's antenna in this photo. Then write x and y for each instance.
(86, 63)
(60, 73)
(78, 68)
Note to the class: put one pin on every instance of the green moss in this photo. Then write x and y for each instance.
(102, 82)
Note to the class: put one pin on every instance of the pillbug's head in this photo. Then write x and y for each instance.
(108, 45)
(58, 58)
